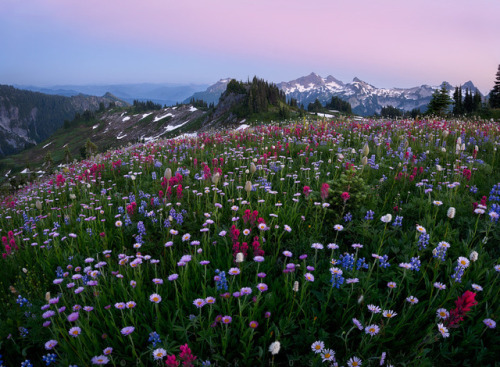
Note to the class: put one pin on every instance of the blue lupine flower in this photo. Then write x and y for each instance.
(398, 222)
(154, 338)
(26, 363)
(23, 332)
(347, 261)
(220, 280)
(384, 261)
(369, 215)
(348, 217)
(361, 264)
(423, 241)
(337, 278)
(415, 263)
(49, 358)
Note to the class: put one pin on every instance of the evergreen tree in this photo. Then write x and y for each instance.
(48, 162)
(476, 101)
(90, 148)
(468, 103)
(440, 101)
(495, 92)
(67, 155)
(458, 108)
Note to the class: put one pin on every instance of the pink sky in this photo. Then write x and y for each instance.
(386, 43)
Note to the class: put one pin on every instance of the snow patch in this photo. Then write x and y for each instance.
(145, 115)
(46, 145)
(192, 109)
(158, 118)
(95, 126)
(126, 118)
(121, 136)
(243, 127)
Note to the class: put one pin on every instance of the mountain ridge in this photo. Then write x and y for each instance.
(365, 98)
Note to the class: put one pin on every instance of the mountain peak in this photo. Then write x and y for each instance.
(357, 80)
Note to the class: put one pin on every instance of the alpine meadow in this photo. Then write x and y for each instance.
(337, 242)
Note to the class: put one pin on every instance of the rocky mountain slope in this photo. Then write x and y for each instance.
(27, 118)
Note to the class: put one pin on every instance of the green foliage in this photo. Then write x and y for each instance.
(339, 105)
(440, 102)
(392, 112)
(495, 92)
(145, 106)
(315, 106)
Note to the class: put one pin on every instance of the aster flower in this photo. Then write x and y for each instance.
(372, 329)
(253, 324)
(50, 344)
(227, 319)
(413, 300)
(354, 362)
(159, 353)
(443, 330)
(75, 331)
(155, 297)
(490, 323)
(127, 330)
(234, 271)
(442, 313)
(374, 309)
(389, 314)
(357, 323)
(100, 360)
(309, 277)
(199, 302)
(262, 287)
(439, 286)
(392, 285)
(318, 346)
(328, 355)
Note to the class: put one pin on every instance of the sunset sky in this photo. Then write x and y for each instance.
(388, 43)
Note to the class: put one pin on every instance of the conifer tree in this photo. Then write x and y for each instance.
(495, 92)
(440, 101)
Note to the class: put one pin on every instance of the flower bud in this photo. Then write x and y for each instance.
(239, 257)
(215, 178)
(360, 299)
(47, 296)
(451, 212)
(25, 271)
(364, 161)
(248, 186)
(296, 286)
(366, 150)
(38, 205)
(473, 256)
(168, 174)
(252, 168)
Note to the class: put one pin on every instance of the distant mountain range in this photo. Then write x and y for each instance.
(365, 99)
(27, 118)
(165, 94)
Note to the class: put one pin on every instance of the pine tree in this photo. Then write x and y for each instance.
(67, 155)
(457, 98)
(495, 92)
(468, 103)
(440, 101)
(476, 101)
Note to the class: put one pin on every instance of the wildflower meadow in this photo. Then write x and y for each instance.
(336, 243)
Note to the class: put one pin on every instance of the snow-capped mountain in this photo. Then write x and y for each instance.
(365, 99)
